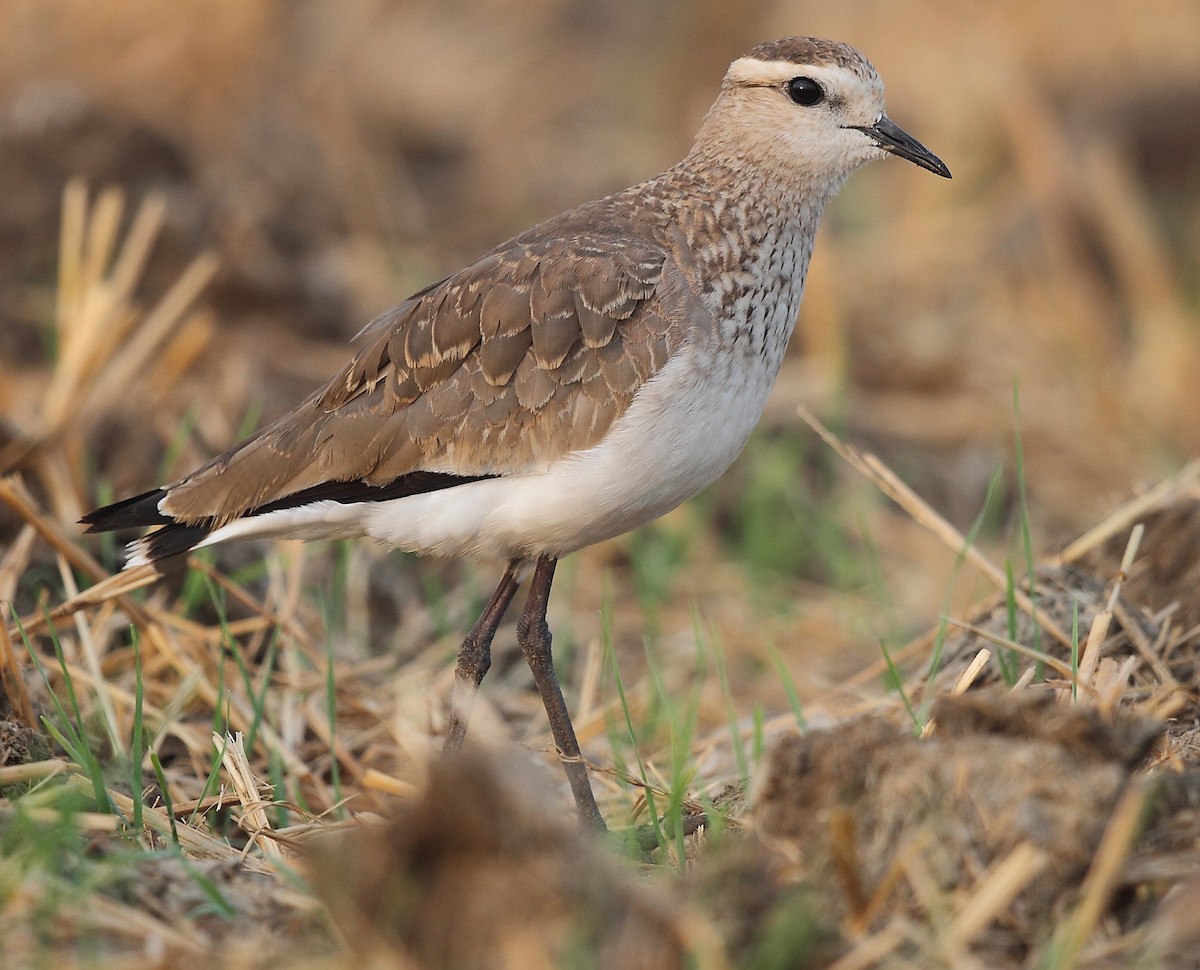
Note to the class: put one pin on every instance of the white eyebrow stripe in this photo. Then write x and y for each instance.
(751, 70)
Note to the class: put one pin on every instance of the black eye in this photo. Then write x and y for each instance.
(805, 91)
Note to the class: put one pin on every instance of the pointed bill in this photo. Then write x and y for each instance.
(892, 138)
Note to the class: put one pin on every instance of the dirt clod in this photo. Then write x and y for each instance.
(482, 873)
(887, 823)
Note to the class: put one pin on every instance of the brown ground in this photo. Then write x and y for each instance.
(275, 174)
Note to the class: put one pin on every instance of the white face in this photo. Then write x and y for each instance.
(806, 122)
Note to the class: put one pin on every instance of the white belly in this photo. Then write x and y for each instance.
(684, 428)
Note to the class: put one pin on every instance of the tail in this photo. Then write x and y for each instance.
(171, 538)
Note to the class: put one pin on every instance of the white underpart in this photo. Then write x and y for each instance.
(684, 428)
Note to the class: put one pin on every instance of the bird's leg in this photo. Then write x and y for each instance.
(533, 634)
(475, 657)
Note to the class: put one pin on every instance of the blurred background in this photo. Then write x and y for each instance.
(338, 156)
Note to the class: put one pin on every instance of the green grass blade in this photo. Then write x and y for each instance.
(138, 751)
(788, 683)
(917, 719)
(210, 781)
(257, 695)
(939, 642)
(610, 657)
(335, 766)
(1026, 531)
(209, 888)
(72, 736)
(166, 794)
(739, 745)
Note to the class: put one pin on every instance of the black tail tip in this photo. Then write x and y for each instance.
(139, 512)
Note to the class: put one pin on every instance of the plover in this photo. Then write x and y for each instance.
(580, 379)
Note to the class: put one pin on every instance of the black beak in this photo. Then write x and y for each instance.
(892, 138)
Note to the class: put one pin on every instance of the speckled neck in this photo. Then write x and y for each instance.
(751, 240)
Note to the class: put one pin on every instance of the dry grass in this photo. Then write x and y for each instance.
(323, 162)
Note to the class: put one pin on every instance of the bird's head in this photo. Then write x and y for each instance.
(807, 110)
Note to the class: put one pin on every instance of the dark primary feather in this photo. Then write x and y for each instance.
(345, 493)
(138, 512)
(172, 540)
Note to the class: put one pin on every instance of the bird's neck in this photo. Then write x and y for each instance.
(724, 194)
(743, 208)
(767, 176)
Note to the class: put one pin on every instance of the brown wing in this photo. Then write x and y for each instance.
(529, 353)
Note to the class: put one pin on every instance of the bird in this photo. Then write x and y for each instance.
(580, 379)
